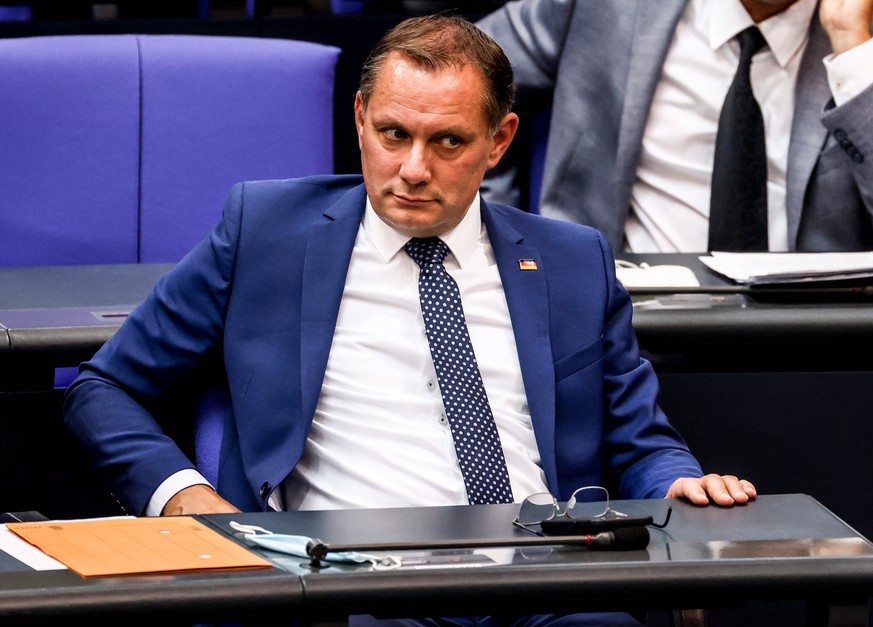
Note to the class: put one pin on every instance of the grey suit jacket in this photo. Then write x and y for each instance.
(601, 61)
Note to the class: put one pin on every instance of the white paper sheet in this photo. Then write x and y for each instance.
(771, 268)
(26, 552)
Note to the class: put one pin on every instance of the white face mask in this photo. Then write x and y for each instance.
(296, 545)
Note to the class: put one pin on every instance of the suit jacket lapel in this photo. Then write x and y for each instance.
(653, 34)
(328, 252)
(527, 298)
(808, 134)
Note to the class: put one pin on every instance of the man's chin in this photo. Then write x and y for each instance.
(411, 222)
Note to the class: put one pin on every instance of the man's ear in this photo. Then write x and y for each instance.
(503, 138)
(359, 117)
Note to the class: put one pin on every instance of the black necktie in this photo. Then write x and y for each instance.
(738, 207)
(477, 442)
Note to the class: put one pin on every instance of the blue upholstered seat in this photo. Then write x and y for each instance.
(16, 13)
(218, 110)
(121, 148)
(347, 6)
(69, 154)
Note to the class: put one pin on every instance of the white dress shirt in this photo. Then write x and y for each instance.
(380, 437)
(670, 200)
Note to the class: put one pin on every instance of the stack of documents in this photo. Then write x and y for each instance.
(778, 268)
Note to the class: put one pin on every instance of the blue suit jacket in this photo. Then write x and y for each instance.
(602, 61)
(259, 298)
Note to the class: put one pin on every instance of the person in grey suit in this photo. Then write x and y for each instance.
(636, 88)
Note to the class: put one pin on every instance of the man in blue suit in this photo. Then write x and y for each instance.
(637, 88)
(304, 298)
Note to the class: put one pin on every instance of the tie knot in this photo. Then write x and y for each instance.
(427, 250)
(751, 40)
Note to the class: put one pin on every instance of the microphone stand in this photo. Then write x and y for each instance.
(317, 550)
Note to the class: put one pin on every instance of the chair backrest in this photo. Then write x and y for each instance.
(347, 6)
(247, 108)
(212, 413)
(16, 13)
(121, 148)
(69, 154)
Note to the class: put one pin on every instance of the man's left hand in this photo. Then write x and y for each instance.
(725, 490)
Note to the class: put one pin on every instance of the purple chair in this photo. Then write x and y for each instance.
(338, 7)
(212, 414)
(69, 153)
(16, 13)
(219, 110)
(121, 148)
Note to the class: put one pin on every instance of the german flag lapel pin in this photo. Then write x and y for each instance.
(527, 264)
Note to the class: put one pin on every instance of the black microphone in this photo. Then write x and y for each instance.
(620, 539)
(629, 538)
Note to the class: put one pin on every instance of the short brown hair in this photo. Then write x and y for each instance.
(440, 41)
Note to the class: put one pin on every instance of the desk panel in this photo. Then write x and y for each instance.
(60, 597)
(777, 548)
(58, 316)
(55, 317)
(776, 391)
(775, 386)
(722, 326)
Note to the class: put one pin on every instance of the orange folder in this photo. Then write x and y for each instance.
(119, 546)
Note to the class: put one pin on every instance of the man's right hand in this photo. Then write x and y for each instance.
(847, 22)
(197, 499)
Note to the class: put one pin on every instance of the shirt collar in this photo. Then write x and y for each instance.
(726, 18)
(461, 240)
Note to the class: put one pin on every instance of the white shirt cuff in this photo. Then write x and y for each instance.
(850, 73)
(171, 485)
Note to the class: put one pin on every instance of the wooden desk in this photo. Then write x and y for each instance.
(778, 548)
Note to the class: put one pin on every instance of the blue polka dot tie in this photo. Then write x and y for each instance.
(477, 442)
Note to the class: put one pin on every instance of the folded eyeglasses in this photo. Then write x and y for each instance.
(587, 504)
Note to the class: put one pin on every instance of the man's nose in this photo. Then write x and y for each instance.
(415, 168)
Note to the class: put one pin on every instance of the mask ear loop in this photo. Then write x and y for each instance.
(253, 529)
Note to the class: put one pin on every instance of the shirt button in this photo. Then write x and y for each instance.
(443, 420)
(431, 384)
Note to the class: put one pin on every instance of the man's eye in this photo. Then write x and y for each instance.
(450, 141)
(394, 133)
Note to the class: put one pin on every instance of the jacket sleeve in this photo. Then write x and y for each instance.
(117, 407)
(643, 452)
